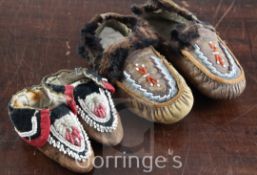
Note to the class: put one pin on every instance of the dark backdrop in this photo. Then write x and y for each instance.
(38, 37)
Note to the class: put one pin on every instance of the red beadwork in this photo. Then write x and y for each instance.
(151, 80)
(218, 58)
(73, 136)
(100, 111)
(143, 71)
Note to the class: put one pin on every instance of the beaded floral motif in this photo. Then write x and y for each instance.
(97, 106)
(98, 111)
(69, 137)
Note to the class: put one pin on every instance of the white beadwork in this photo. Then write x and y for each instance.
(204, 59)
(91, 119)
(58, 131)
(66, 122)
(172, 88)
(92, 101)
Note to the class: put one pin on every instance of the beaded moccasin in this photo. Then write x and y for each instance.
(51, 127)
(123, 49)
(90, 97)
(205, 59)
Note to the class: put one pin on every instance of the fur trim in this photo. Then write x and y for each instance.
(170, 5)
(140, 10)
(145, 43)
(114, 67)
(137, 10)
(109, 62)
(90, 47)
(185, 34)
(130, 21)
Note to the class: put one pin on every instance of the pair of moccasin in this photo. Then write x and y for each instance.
(137, 54)
(58, 116)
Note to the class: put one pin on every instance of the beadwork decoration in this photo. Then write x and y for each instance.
(73, 135)
(153, 82)
(56, 124)
(98, 111)
(233, 67)
(92, 100)
(143, 71)
(216, 54)
(69, 137)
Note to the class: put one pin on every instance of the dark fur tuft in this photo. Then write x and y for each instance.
(145, 43)
(90, 47)
(82, 51)
(185, 34)
(89, 28)
(136, 10)
(116, 60)
(131, 22)
(116, 63)
(150, 8)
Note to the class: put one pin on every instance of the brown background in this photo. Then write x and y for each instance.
(218, 137)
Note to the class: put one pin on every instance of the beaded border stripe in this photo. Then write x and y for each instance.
(234, 69)
(94, 122)
(78, 152)
(172, 85)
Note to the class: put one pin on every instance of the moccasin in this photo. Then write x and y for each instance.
(51, 127)
(90, 96)
(124, 49)
(206, 61)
